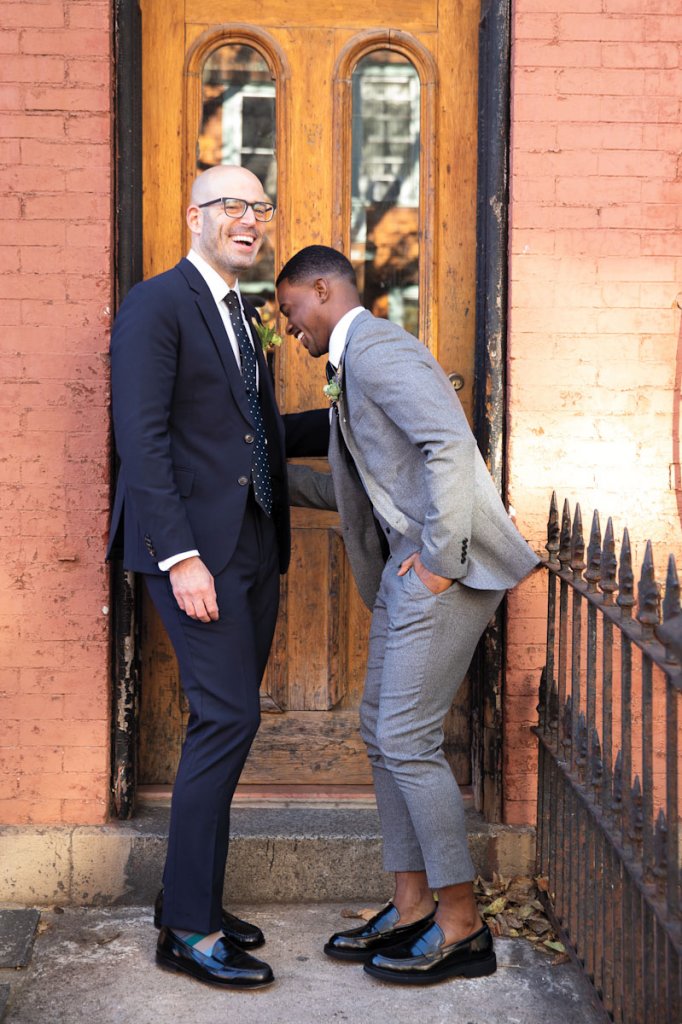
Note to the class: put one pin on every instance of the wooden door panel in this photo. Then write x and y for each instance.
(313, 683)
(352, 14)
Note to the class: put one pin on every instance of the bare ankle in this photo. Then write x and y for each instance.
(414, 909)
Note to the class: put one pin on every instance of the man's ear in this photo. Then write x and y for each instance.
(194, 219)
(321, 288)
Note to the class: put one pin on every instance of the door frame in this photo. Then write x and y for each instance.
(492, 209)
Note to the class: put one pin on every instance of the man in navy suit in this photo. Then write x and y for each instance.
(201, 510)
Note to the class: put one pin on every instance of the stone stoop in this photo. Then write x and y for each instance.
(277, 855)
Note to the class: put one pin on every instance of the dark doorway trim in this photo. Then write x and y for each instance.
(489, 408)
(490, 380)
(128, 270)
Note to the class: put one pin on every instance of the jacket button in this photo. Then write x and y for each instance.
(249, 438)
(243, 481)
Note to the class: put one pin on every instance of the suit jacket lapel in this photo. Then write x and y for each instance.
(216, 328)
(361, 318)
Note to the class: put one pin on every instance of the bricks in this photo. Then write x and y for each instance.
(595, 272)
(32, 69)
(55, 274)
(67, 99)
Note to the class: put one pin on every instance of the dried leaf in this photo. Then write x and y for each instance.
(556, 947)
(542, 883)
(512, 908)
(496, 907)
(520, 890)
(539, 926)
(363, 914)
(562, 958)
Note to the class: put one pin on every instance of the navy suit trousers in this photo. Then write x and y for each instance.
(221, 667)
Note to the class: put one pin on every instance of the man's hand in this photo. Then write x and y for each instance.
(436, 584)
(194, 589)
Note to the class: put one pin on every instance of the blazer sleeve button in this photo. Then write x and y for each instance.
(243, 481)
(249, 438)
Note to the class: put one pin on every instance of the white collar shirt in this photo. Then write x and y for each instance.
(219, 289)
(337, 340)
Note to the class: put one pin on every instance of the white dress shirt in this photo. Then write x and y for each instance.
(337, 340)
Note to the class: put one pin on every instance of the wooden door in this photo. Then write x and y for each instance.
(372, 150)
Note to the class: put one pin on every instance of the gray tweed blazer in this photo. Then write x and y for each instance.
(413, 459)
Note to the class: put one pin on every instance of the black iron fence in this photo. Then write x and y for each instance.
(609, 768)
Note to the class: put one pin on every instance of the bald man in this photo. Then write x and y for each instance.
(201, 510)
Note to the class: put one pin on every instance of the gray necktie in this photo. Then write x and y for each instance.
(260, 464)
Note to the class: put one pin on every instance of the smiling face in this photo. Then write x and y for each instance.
(229, 244)
(309, 314)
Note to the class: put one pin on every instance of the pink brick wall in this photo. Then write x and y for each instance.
(596, 289)
(55, 295)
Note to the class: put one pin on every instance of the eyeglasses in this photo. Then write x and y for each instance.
(237, 208)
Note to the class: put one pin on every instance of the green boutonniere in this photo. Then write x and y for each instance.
(269, 338)
(333, 389)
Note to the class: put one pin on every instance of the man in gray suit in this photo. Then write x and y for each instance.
(432, 550)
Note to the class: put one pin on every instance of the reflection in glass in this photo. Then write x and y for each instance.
(385, 186)
(238, 127)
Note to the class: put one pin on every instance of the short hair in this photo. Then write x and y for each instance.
(316, 261)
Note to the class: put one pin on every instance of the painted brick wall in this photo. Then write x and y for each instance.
(55, 281)
(596, 289)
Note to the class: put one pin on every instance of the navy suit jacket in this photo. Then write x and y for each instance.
(183, 429)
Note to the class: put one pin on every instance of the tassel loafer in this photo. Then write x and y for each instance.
(243, 934)
(426, 959)
(380, 932)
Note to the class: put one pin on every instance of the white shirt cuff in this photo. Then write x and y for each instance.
(168, 563)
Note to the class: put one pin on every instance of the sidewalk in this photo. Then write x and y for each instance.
(96, 966)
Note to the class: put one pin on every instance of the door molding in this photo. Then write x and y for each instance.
(490, 354)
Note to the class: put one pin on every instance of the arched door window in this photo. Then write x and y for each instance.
(385, 180)
(238, 126)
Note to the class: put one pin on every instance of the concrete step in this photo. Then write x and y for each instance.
(278, 854)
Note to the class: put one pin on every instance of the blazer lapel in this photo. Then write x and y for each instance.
(216, 329)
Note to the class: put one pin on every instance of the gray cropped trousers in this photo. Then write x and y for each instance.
(420, 648)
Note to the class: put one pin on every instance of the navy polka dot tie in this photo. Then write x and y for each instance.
(260, 464)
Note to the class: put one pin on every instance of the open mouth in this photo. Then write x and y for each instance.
(246, 241)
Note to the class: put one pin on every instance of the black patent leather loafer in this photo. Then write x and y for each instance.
(426, 958)
(228, 966)
(245, 935)
(380, 932)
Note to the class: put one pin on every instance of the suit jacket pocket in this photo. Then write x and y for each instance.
(184, 480)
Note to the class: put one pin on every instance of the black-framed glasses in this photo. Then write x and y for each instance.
(237, 208)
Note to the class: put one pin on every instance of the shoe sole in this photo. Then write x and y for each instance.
(177, 968)
(350, 956)
(472, 969)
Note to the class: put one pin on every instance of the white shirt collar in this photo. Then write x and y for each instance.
(217, 286)
(337, 340)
